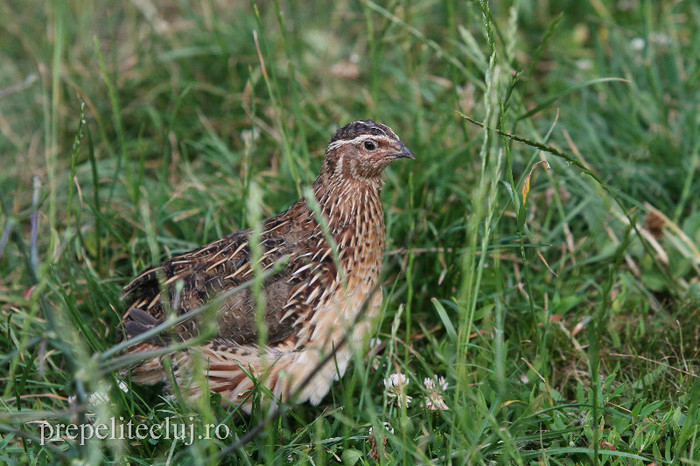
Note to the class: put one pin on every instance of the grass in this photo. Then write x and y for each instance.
(560, 305)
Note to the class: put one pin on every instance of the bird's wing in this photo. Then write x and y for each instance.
(211, 273)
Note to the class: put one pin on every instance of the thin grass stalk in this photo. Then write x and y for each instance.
(74, 162)
(37, 284)
(116, 113)
(96, 195)
(53, 114)
(273, 91)
(254, 214)
(301, 143)
(373, 54)
(596, 331)
(483, 209)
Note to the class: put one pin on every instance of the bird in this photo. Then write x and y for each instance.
(321, 258)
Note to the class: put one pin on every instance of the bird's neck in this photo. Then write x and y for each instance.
(355, 218)
(347, 202)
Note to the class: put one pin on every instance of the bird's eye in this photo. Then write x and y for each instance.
(370, 145)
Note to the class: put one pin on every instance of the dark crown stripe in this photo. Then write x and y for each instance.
(362, 127)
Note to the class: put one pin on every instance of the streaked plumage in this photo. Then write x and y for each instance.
(308, 306)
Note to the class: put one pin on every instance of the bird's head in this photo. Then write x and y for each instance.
(361, 150)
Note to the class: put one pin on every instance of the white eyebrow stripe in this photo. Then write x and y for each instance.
(356, 140)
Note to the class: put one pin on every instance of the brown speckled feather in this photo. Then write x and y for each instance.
(214, 269)
(308, 306)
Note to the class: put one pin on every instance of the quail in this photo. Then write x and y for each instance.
(319, 293)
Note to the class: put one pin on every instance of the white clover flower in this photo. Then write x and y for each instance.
(250, 136)
(430, 383)
(395, 386)
(396, 379)
(637, 44)
(435, 387)
(584, 64)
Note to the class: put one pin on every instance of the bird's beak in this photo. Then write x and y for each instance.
(403, 152)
